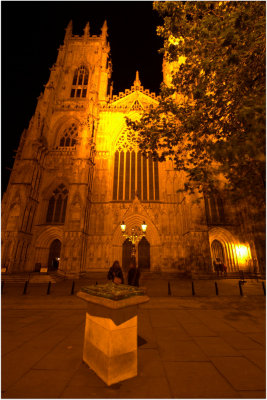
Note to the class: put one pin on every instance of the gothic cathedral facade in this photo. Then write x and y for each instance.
(78, 173)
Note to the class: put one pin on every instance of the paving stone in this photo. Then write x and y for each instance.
(214, 320)
(149, 363)
(62, 357)
(39, 384)
(241, 373)
(145, 330)
(197, 380)
(215, 346)
(181, 351)
(170, 334)
(146, 387)
(252, 394)
(165, 318)
(258, 357)
(259, 337)
(197, 329)
(172, 361)
(241, 341)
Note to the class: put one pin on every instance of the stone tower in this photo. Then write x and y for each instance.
(48, 199)
(78, 173)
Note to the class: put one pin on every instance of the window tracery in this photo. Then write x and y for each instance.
(57, 205)
(80, 82)
(69, 136)
(134, 173)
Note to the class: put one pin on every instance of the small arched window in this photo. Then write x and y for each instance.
(57, 205)
(69, 136)
(80, 82)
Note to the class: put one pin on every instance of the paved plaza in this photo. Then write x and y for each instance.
(202, 346)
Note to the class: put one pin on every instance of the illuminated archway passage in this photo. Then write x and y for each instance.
(54, 255)
(217, 251)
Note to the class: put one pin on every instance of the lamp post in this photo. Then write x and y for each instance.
(135, 234)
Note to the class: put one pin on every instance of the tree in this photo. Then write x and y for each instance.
(211, 115)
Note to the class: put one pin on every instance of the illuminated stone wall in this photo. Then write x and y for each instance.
(63, 185)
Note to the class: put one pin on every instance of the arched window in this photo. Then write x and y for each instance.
(214, 210)
(57, 205)
(80, 82)
(133, 172)
(69, 136)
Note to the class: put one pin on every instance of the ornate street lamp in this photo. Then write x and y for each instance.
(135, 234)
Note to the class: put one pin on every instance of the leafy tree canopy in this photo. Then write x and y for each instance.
(211, 115)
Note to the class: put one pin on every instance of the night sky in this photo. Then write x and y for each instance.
(31, 35)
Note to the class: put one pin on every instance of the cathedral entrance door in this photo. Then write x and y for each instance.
(144, 254)
(54, 255)
(217, 250)
(126, 254)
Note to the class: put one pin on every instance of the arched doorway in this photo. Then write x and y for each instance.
(54, 255)
(144, 254)
(217, 250)
(126, 254)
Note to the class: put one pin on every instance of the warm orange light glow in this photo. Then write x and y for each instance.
(123, 227)
(144, 226)
(243, 253)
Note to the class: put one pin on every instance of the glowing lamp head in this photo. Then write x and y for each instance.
(144, 226)
(123, 227)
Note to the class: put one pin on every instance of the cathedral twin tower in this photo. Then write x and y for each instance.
(78, 173)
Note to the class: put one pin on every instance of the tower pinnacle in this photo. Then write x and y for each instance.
(68, 31)
(86, 31)
(137, 81)
(104, 29)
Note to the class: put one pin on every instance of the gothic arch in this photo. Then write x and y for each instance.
(152, 233)
(47, 192)
(229, 245)
(61, 124)
(152, 236)
(48, 235)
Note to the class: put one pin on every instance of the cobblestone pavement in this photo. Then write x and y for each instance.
(202, 346)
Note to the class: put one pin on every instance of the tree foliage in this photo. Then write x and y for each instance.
(211, 115)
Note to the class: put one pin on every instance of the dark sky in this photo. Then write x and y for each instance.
(31, 35)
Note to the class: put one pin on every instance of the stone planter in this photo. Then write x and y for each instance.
(110, 339)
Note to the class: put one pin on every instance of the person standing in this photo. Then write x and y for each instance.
(115, 273)
(133, 273)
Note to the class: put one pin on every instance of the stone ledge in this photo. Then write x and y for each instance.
(113, 304)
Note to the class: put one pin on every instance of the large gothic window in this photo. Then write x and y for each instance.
(57, 205)
(134, 172)
(69, 136)
(80, 82)
(214, 210)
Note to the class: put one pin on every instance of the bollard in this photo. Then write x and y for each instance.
(216, 288)
(25, 287)
(193, 289)
(240, 288)
(48, 288)
(169, 289)
(263, 287)
(72, 289)
(2, 287)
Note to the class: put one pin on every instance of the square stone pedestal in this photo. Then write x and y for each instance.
(110, 340)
